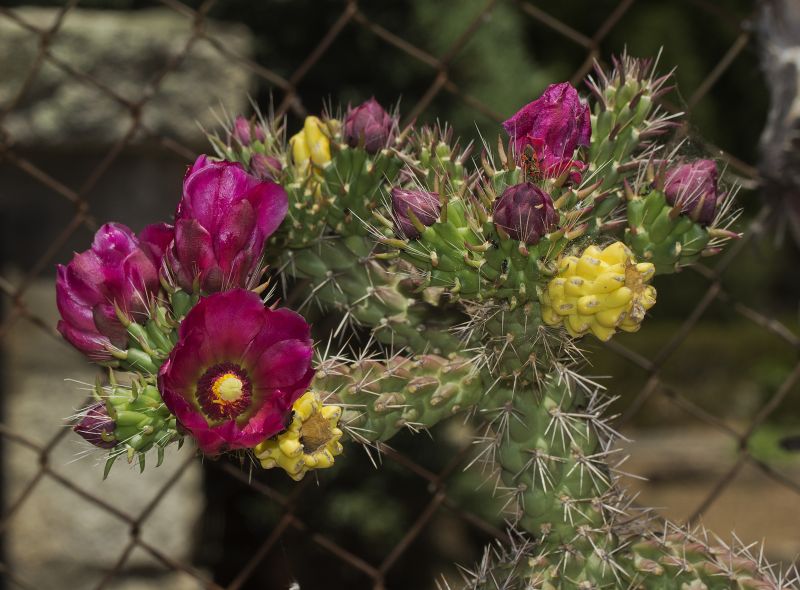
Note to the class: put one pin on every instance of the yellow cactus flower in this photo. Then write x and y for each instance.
(311, 144)
(310, 442)
(599, 292)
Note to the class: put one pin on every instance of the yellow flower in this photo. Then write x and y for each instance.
(310, 442)
(599, 292)
(311, 144)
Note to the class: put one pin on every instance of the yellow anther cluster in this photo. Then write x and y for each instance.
(310, 442)
(311, 145)
(600, 292)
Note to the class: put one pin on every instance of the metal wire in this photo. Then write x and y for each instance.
(288, 98)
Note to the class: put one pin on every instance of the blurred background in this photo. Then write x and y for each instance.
(102, 106)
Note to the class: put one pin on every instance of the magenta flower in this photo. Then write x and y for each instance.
(693, 186)
(525, 212)
(236, 370)
(554, 125)
(116, 270)
(222, 223)
(370, 125)
(97, 427)
(425, 206)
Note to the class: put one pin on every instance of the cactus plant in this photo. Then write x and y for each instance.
(474, 279)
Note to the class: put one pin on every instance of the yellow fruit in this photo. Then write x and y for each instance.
(310, 442)
(601, 291)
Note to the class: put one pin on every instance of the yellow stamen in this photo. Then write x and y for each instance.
(227, 388)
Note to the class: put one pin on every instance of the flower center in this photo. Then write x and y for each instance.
(224, 391)
(227, 388)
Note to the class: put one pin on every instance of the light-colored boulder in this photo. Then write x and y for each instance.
(123, 51)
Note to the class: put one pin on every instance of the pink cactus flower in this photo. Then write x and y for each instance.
(222, 223)
(118, 270)
(554, 125)
(236, 370)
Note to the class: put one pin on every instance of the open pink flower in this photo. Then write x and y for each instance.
(119, 269)
(554, 125)
(236, 370)
(222, 223)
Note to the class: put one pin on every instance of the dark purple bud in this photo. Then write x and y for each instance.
(425, 207)
(693, 187)
(241, 130)
(265, 167)
(525, 212)
(369, 124)
(554, 125)
(116, 272)
(97, 427)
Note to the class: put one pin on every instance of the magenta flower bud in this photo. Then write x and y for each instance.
(221, 225)
(370, 125)
(693, 186)
(260, 133)
(525, 212)
(241, 130)
(97, 427)
(236, 370)
(425, 206)
(155, 239)
(265, 167)
(116, 271)
(554, 125)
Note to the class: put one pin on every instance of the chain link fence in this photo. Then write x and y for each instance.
(290, 531)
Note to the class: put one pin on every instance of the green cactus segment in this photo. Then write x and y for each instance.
(142, 421)
(625, 117)
(381, 397)
(550, 451)
(343, 277)
(679, 561)
(353, 180)
(659, 234)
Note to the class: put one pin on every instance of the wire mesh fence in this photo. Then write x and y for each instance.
(287, 92)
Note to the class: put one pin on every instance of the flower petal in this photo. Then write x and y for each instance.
(283, 364)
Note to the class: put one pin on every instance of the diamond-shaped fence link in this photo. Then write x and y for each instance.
(287, 96)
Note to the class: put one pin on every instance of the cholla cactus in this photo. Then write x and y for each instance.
(474, 282)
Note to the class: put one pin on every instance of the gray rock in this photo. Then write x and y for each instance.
(58, 539)
(123, 51)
